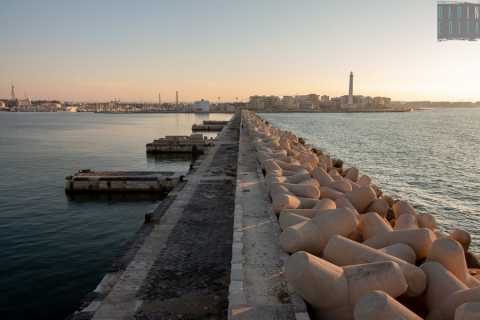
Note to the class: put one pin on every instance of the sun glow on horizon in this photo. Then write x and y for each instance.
(94, 51)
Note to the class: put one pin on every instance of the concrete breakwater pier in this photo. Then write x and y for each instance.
(267, 227)
(209, 250)
(356, 253)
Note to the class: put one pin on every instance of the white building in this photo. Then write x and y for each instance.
(289, 103)
(201, 106)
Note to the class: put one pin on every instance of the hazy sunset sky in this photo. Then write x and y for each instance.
(132, 50)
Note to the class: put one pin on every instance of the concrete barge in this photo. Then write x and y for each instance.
(195, 143)
(88, 181)
(209, 125)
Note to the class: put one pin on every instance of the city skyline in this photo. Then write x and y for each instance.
(93, 51)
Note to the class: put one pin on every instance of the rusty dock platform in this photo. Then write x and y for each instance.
(88, 181)
(209, 125)
(195, 143)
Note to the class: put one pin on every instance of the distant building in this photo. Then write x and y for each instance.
(51, 106)
(381, 101)
(324, 98)
(264, 102)
(201, 106)
(229, 108)
(289, 103)
(24, 102)
(308, 102)
(256, 103)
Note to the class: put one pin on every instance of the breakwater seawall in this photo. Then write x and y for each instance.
(429, 158)
(208, 250)
(179, 262)
(269, 227)
(357, 253)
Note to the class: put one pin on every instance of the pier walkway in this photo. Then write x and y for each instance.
(258, 288)
(209, 251)
(179, 264)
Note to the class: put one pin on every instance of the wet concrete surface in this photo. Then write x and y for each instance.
(178, 265)
(190, 278)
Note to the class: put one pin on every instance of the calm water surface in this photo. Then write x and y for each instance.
(54, 251)
(430, 158)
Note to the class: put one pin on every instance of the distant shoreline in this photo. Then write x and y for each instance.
(396, 110)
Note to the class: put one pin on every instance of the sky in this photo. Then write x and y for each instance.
(98, 50)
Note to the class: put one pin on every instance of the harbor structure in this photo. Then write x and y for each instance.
(350, 89)
(88, 181)
(209, 125)
(12, 93)
(230, 195)
(195, 143)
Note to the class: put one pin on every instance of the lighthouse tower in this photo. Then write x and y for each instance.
(350, 89)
